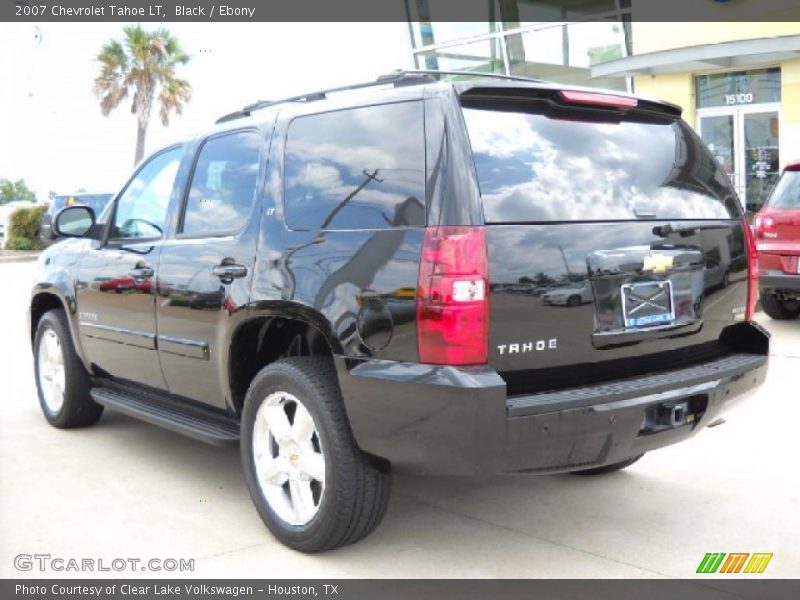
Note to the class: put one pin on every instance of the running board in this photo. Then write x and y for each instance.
(196, 422)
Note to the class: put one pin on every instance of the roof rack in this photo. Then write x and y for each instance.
(399, 78)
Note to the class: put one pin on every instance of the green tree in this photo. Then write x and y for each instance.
(143, 65)
(15, 190)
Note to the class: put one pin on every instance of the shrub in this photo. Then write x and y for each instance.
(23, 244)
(23, 228)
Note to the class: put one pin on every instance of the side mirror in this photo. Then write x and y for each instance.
(74, 221)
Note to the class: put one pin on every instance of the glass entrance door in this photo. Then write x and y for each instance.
(744, 140)
(717, 132)
(761, 170)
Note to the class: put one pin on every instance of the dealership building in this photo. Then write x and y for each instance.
(738, 82)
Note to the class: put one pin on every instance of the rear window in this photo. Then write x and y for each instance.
(787, 191)
(58, 203)
(534, 168)
(96, 201)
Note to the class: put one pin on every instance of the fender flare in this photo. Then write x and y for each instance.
(59, 286)
(297, 312)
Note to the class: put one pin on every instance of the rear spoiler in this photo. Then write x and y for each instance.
(587, 98)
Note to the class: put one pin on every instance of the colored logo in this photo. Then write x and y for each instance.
(658, 263)
(735, 562)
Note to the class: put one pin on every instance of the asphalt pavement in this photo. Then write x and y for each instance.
(127, 490)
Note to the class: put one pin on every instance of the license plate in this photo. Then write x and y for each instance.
(647, 304)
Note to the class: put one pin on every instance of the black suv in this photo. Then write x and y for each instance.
(345, 282)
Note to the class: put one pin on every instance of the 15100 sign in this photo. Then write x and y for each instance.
(744, 98)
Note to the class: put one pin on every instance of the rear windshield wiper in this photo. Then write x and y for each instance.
(667, 230)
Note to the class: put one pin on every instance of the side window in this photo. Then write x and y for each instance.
(360, 168)
(223, 184)
(141, 211)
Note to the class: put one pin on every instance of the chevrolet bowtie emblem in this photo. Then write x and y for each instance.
(658, 263)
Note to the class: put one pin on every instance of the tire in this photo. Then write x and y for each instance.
(779, 309)
(346, 497)
(609, 468)
(574, 301)
(61, 381)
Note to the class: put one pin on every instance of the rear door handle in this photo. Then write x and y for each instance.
(141, 272)
(227, 272)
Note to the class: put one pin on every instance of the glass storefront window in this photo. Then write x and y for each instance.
(483, 56)
(718, 135)
(761, 156)
(739, 88)
(544, 39)
(531, 12)
(428, 27)
(566, 53)
(426, 33)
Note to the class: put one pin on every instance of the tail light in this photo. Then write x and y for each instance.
(593, 98)
(752, 271)
(453, 297)
(765, 227)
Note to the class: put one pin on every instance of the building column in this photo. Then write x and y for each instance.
(677, 88)
(789, 144)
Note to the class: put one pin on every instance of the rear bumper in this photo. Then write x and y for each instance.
(779, 281)
(458, 421)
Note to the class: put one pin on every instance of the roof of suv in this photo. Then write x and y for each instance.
(404, 85)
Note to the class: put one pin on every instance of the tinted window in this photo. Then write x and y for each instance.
(223, 184)
(57, 204)
(361, 168)
(141, 210)
(787, 192)
(741, 87)
(95, 201)
(533, 168)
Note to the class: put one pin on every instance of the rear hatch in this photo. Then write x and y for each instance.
(778, 224)
(616, 244)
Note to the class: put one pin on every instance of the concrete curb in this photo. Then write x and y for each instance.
(19, 258)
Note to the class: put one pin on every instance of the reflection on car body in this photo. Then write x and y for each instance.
(571, 295)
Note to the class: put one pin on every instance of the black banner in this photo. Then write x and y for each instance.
(711, 588)
(374, 10)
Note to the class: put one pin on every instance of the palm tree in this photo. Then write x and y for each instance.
(142, 64)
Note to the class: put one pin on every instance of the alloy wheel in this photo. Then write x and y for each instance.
(288, 458)
(52, 374)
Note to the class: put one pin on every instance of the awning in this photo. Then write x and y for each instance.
(702, 58)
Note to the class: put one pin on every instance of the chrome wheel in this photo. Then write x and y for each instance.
(52, 378)
(288, 458)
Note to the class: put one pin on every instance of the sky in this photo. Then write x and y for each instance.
(53, 135)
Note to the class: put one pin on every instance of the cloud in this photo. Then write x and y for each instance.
(533, 168)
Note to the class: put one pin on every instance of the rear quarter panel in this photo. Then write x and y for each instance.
(357, 286)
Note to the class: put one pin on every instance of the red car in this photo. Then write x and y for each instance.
(777, 231)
